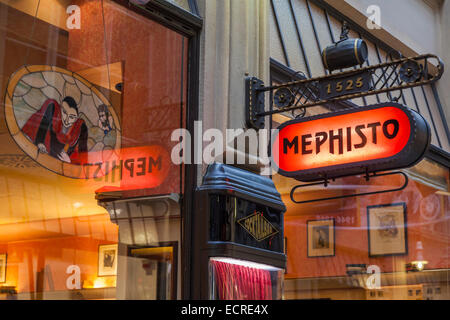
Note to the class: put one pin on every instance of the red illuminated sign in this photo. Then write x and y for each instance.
(367, 139)
(134, 168)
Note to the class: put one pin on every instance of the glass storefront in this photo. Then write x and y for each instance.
(382, 246)
(93, 207)
(90, 198)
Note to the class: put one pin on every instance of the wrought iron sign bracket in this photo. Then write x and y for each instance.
(367, 177)
(385, 77)
(254, 102)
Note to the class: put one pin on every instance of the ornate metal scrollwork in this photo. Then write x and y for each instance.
(386, 77)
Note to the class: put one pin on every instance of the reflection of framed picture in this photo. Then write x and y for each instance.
(386, 225)
(2, 267)
(320, 238)
(107, 260)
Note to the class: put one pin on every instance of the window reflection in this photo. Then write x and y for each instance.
(387, 246)
(89, 110)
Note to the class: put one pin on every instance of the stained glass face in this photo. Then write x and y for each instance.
(60, 114)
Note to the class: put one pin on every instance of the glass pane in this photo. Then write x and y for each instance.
(382, 246)
(90, 195)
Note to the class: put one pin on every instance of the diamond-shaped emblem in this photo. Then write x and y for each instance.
(258, 226)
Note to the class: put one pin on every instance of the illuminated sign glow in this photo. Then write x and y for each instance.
(381, 137)
(134, 168)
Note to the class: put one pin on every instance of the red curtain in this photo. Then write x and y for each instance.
(236, 282)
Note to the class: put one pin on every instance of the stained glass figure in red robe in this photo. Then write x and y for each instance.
(59, 131)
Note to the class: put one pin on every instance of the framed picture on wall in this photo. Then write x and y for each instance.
(321, 239)
(386, 225)
(2, 267)
(107, 260)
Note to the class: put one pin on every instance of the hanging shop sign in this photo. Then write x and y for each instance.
(241, 208)
(360, 140)
(61, 120)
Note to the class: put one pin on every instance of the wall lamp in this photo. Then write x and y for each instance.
(420, 262)
(416, 266)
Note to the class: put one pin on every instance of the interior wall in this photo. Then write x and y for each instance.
(50, 11)
(43, 222)
(53, 252)
(351, 233)
(422, 36)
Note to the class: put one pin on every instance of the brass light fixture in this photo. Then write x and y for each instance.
(419, 264)
(416, 265)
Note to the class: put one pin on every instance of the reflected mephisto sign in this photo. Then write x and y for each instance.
(367, 139)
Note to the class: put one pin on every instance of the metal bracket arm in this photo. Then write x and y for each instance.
(382, 78)
(367, 177)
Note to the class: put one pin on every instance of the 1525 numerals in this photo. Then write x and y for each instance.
(343, 86)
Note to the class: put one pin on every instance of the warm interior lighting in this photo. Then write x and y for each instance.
(416, 265)
(97, 76)
(152, 251)
(100, 282)
(245, 263)
(77, 205)
(156, 253)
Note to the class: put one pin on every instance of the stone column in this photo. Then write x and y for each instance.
(234, 42)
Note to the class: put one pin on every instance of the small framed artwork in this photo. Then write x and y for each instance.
(107, 260)
(386, 225)
(3, 268)
(321, 239)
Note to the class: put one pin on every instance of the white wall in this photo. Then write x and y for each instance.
(444, 52)
(412, 26)
(414, 22)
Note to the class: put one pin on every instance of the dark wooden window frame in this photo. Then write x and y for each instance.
(188, 25)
